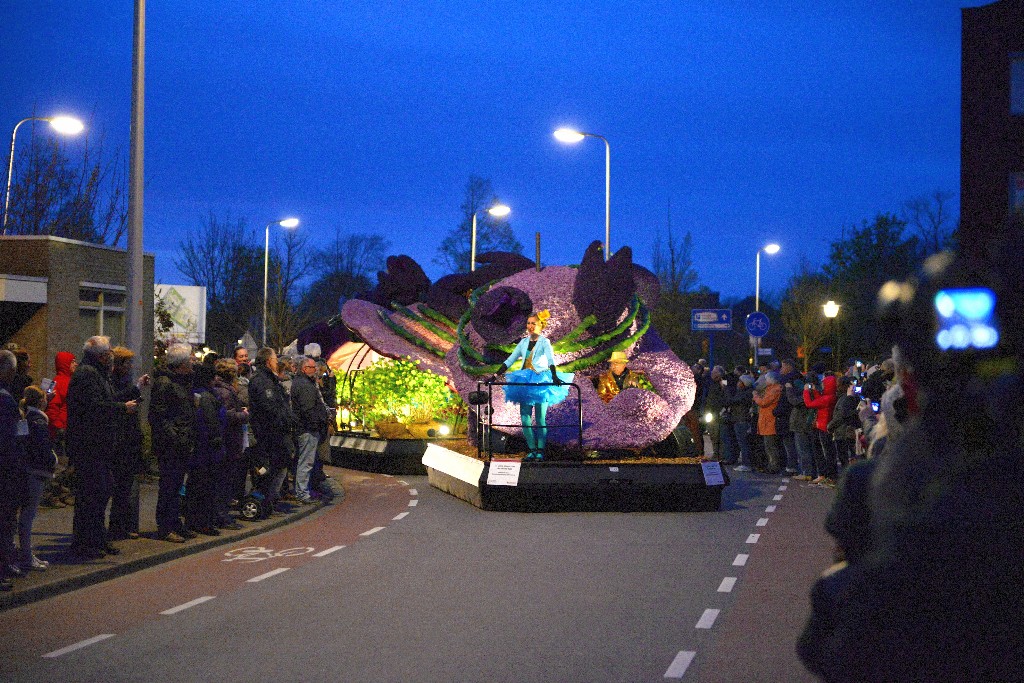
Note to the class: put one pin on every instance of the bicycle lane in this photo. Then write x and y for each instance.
(47, 628)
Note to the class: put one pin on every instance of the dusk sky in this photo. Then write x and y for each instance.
(759, 122)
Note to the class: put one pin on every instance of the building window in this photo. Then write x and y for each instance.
(101, 311)
(1017, 83)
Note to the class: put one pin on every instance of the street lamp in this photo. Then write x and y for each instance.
(284, 223)
(498, 211)
(831, 309)
(570, 136)
(65, 125)
(768, 249)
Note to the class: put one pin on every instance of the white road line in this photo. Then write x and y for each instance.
(740, 560)
(191, 603)
(413, 503)
(679, 665)
(763, 521)
(752, 538)
(783, 488)
(413, 492)
(770, 508)
(275, 572)
(78, 646)
(400, 515)
(727, 584)
(325, 553)
(403, 483)
(372, 531)
(777, 497)
(707, 620)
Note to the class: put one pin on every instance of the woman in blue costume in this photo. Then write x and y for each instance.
(537, 385)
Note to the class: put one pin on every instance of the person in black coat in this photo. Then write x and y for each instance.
(40, 464)
(93, 414)
(126, 459)
(172, 415)
(272, 420)
(12, 471)
(234, 469)
(311, 413)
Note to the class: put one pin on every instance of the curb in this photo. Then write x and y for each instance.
(18, 598)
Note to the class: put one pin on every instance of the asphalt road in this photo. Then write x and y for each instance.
(401, 582)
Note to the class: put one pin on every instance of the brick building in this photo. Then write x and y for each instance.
(992, 119)
(55, 293)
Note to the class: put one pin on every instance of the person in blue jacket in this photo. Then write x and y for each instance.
(537, 384)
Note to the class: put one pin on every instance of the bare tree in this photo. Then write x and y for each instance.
(802, 314)
(344, 269)
(224, 256)
(674, 265)
(52, 195)
(932, 219)
(492, 234)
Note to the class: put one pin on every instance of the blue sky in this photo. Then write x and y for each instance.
(784, 122)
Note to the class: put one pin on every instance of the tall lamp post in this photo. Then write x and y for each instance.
(284, 223)
(831, 309)
(768, 249)
(65, 125)
(498, 211)
(570, 136)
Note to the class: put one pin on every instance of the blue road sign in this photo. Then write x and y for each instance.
(757, 324)
(711, 320)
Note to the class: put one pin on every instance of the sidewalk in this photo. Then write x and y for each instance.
(51, 538)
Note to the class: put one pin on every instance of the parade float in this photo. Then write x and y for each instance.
(427, 399)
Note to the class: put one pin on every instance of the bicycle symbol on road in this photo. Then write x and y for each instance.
(259, 553)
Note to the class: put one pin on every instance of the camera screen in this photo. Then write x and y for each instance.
(966, 319)
(874, 406)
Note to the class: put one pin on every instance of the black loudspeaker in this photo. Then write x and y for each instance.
(495, 441)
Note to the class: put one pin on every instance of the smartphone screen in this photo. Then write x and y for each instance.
(966, 319)
(874, 406)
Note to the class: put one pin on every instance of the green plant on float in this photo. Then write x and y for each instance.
(409, 336)
(398, 391)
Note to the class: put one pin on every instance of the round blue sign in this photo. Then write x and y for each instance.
(757, 324)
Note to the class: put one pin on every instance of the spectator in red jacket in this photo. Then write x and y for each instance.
(57, 406)
(822, 397)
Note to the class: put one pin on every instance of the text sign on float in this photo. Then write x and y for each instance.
(503, 473)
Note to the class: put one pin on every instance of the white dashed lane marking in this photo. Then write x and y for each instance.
(325, 553)
(707, 620)
(727, 584)
(400, 515)
(274, 572)
(372, 531)
(762, 522)
(78, 646)
(777, 497)
(191, 603)
(413, 503)
(413, 492)
(740, 560)
(770, 508)
(753, 538)
(680, 664)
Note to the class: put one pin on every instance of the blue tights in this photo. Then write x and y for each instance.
(535, 435)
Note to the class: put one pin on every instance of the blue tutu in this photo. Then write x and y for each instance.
(537, 387)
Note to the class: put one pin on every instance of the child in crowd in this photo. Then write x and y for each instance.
(40, 464)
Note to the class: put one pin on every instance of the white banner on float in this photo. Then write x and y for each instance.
(187, 306)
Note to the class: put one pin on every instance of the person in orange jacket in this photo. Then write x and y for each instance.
(767, 399)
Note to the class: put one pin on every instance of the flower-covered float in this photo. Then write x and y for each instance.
(464, 326)
(467, 324)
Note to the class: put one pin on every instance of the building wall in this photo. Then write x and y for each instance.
(992, 139)
(67, 264)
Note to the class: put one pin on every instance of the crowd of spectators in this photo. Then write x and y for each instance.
(220, 429)
(774, 419)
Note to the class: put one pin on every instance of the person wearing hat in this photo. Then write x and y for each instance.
(619, 377)
(537, 384)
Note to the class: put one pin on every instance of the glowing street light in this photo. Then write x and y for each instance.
(285, 223)
(831, 309)
(65, 125)
(498, 211)
(570, 137)
(769, 249)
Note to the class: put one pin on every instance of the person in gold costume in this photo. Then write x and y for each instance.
(619, 377)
